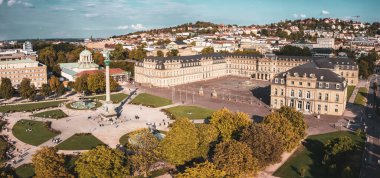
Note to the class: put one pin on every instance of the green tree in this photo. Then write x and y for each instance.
(207, 50)
(160, 53)
(48, 163)
(145, 152)
(235, 158)
(296, 119)
(279, 124)
(208, 135)
(32, 92)
(98, 58)
(6, 88)
(229, 124)
(114, 86)
(96, 82)
(102, 162)
(80, 84)
(61, 90)
(137, 54)
(181, 143)
(61, 57)
(289, 50)
(266, 145)
(119, 53)
(26, 90)
(202, 170)
(53, 83)
(45, 90)
(338, 150)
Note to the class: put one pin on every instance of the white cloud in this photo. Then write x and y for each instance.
(1, 2)
(27, 4)
(90, 5)
(62, 9)
(325, 12)
(303, 15)
(295, 15)
(12, 2)
(124, 27)
(138, 27)
(91, 15)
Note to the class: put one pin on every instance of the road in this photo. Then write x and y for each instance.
(371, 159)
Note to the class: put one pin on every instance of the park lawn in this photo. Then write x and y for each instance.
(41, 132)
(191, 112)
(150, 100)
(115, 98)
(56, 114)
(361, 97)
(350, 90)
(83, 141)
(310, 155)
(30, 106)
(25, 171)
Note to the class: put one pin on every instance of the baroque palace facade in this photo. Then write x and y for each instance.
(177, 70)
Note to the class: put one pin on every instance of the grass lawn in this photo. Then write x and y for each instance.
(56, 114)
(83, 141)
(310, 156)
(41, 132)
(350, 89)
(191, 112)
(25, 171)
(150, 100)
(361, 97)
(115, 98)
(29, 107)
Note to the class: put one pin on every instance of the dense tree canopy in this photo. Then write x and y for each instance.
(173, 52)
(137, 54)
(265, 144)
(202, 170)
(54, 83)
(160, 53)
(367, 64)
(6, 88)
(144, 148)
(80, 84)
(96, 82)
(289, 50)
(229, 124)
(279, 124)
(296, 119)
(208, 136)
(181, 142)
(102, 162)
(235, 158)
(48, 163)
(27, 90)
(207, 50)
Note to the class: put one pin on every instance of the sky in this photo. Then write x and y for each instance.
(31, 19)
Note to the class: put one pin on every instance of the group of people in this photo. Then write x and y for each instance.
(56, 140)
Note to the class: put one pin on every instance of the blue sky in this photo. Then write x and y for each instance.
(21, 19)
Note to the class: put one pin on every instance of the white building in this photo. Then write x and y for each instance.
(85, 63)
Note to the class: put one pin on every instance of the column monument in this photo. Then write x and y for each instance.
(108, 107)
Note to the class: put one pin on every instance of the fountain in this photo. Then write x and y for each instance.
(83, 104)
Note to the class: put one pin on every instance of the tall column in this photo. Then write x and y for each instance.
(108, 90)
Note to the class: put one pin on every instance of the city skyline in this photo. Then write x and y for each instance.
(33, 19)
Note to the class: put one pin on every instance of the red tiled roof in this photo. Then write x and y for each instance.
(114, 71)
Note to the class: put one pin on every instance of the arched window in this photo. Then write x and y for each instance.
(292, 93)
(308, 94)
(300, 93)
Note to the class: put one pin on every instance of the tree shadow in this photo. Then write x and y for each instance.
(262, 93)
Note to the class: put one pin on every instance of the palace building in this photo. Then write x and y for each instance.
(309, 84)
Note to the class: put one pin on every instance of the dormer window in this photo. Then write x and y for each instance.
(282, 81)
(276, 80)
(320, 85)
(327, 85)
(337, 86)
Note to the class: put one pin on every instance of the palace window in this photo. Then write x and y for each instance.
(292, 93)
(308, 94)
(325, 107)
(327, 85)
(275, 91)
(282, 81)
(337, 86)
(337, 97)
(327, 97)
(276, 80)
(300, 83)
(282, 92)
(308, 84)
(300, 93)
(291, 103)
(319, 107)
(292, 82)
(307, 106)
(275, 102)
(320, 85)
(336, 108)
(299, 106)
(281, 103)
(320, 96)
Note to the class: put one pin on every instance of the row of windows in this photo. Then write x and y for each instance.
(307, 105)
